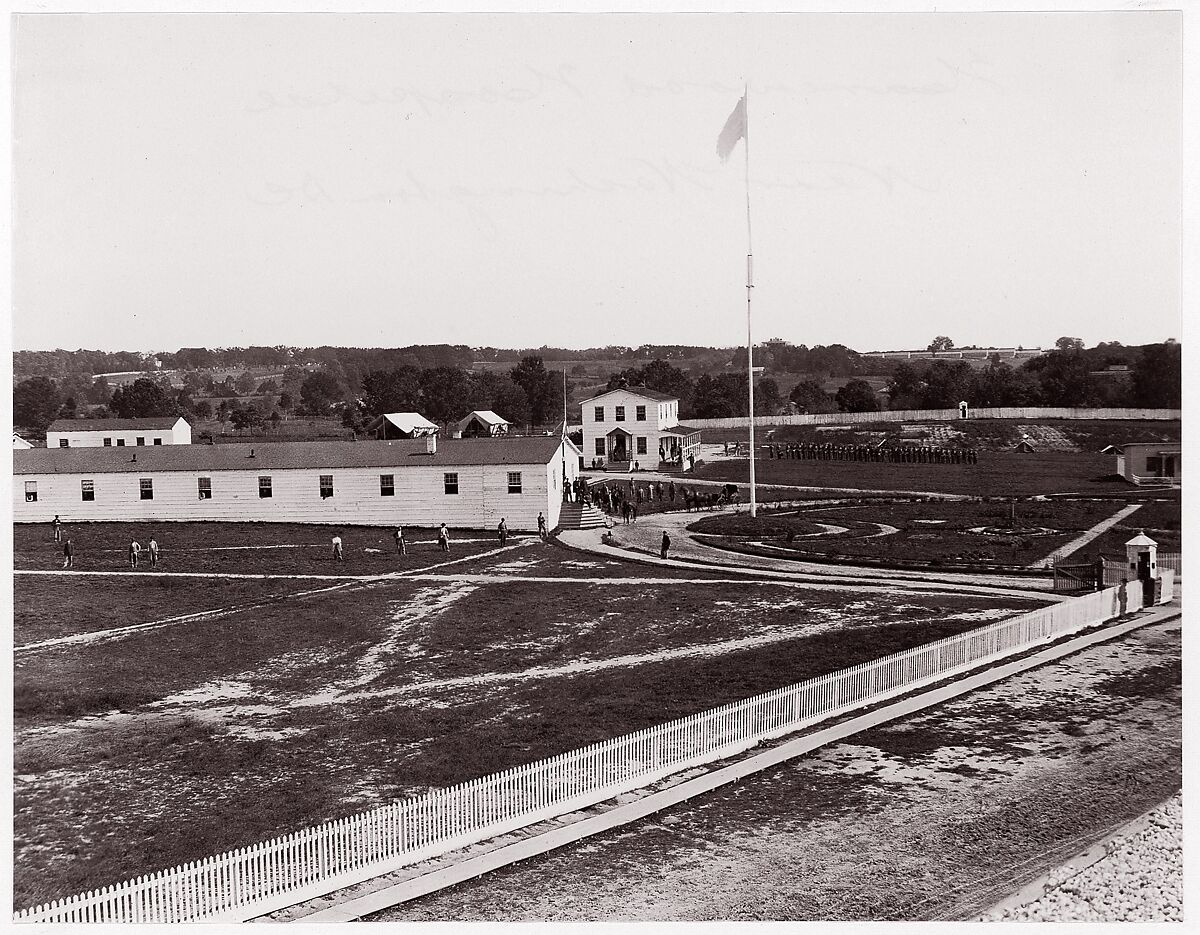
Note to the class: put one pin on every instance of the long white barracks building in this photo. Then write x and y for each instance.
(465, 483)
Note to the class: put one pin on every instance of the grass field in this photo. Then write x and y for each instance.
(998, 474)
(245, 548)
(181, 740)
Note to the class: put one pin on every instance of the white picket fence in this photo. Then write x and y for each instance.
(1032, 414)
(251, 881)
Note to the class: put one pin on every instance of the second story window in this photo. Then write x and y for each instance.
(620, 416)
(639, 414)
(599, 413)
(326, 484)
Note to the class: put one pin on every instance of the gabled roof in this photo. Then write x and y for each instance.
(284, 456)
(406, 421)
(486, 416)
(113, 425)
(643, 391)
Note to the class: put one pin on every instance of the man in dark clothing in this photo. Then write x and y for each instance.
(666, 544)
(68, 553)
(56, 524)
(502, 531)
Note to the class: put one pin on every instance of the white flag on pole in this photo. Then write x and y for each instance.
(734, 130)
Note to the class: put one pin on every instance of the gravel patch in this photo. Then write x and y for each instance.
(1139, 879)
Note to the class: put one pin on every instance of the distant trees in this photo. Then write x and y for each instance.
(1158, 376)
(657, 375)
(396, 390)
(319, 392)
(809, 397)
(940, 343)
(202, 410)
(142, 399)
(543, 389)
(1067, 344)
(857, 396)
(36, 402)
(245, 383)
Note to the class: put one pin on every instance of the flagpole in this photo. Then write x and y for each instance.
(749, 288)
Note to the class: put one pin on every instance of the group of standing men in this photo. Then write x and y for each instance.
(900, 454)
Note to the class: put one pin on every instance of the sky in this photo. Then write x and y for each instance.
(527, 180)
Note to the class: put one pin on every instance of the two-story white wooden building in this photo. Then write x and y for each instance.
(118, 433)
(465, 483)
(639, 426)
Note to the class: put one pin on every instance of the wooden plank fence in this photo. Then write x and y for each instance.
(251, 881)
(938, 415)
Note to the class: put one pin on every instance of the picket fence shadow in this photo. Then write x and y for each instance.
(251, 881)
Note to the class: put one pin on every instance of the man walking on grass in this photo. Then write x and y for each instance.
(542, 527)
(502, 531)
(666, 544)
(134, 551)
(401, 545)
(56, 525)
(444, 538)
(153, 547)
(68, 553)
(337, 548)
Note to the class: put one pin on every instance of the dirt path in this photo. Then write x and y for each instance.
(935, 817)
(1095, 532)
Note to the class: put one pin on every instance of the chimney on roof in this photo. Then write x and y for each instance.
(431, 444)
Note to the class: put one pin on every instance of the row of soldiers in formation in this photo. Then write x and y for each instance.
(918, 454)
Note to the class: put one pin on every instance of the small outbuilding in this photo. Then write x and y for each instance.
(19, 443)
(1024, 445)
(482, 423)
(1150, 464)
(392, 425)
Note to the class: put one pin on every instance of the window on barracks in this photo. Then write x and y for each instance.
(204, 487)
(87, 491)
(620, 416)
(599, 446)
(120, 443)
(639, 414)
(158, 441)
(387, 485)
(326, 486)
(141, 440)
(450, 483)
(599, 413)
(264, 487)
(31, 491)
(1154, 463)
(514, 481)
(64, 443)
(108, 443)
(641, 445)
(146, 484)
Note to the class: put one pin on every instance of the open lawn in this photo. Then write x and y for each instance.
(1160, 519)
(170, 744)
(986, 434)
(913, 532)
(998, 474)
(245, 548)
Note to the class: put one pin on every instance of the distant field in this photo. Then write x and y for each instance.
(998, 474)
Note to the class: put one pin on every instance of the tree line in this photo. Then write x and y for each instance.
(528, 394)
